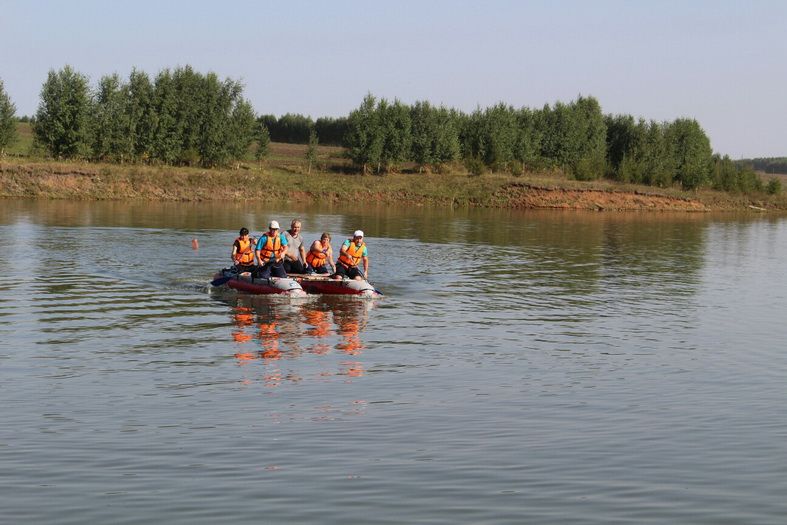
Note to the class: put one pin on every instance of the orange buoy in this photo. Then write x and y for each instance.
(194, 244)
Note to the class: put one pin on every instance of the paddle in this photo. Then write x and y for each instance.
(363, 275)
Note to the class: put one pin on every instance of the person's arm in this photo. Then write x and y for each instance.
(366, 266)
(235, 255)
(329, 253)
(257, 250)
(302, 253)
(344, 248)
(282, 248)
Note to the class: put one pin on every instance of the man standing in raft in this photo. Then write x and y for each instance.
(352, 252)
(270, 252)
(243, 252)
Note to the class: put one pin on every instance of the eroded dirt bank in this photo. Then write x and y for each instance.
(52, 180)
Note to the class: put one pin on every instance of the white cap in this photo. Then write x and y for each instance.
(358, 233)
(273, 225)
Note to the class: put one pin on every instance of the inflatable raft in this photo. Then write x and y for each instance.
(295, 285)
(245, 283)
(322, 284)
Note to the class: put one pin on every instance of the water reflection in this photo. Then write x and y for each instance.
(266, 330)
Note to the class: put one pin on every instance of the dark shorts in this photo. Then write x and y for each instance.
(241, 268)
(322, 269)
(270, 270)
(294, 267)
(350, 273)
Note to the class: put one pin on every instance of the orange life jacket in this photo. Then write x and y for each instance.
(271, 247)
(352, 256)
(317, 259)
(244, 255)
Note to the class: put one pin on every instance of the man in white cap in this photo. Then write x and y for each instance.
(270, 252)
(353, 251)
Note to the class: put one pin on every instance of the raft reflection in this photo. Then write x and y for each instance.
(269, 329)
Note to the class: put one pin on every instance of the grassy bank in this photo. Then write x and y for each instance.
(284, 177)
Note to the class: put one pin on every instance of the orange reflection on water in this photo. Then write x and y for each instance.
(287, 329)
(318, 320)
(352, 369)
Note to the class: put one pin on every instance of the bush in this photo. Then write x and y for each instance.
(475, 166)
(774, 186)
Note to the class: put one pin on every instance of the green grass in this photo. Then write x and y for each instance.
(24, 141)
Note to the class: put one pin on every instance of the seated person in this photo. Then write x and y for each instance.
(320, 256)
(270, 253)
(352, 252)
(295, 256)
(243, 252)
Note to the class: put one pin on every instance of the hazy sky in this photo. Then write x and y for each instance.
(721, 62)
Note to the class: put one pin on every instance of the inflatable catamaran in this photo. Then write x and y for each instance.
(295, 285)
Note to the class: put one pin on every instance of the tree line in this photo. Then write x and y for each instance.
(183, 117)
(767, 164)
(180, 117)
(294, 128)
(575, 137)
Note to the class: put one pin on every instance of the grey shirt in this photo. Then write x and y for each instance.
(294, 245)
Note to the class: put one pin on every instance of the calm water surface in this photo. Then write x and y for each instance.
(542, 367)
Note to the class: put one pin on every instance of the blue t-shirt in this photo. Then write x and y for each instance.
(264, 238)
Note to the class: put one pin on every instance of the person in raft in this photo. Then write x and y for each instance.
(352, 252)
(270, 252)
(243, 252)
(320, 256)
(295, 256)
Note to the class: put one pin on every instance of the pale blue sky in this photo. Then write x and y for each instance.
(721, 62)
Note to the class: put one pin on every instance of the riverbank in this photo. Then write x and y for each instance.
(284, 180)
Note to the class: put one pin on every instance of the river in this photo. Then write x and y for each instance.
(522, 367)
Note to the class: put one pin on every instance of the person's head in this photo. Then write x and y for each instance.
(273, 226)
(244, 232)
(295, 226)
(325, 237)
(358, 237)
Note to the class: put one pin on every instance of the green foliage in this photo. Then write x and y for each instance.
(727, 175)
(475, 166)
(291, 128)
(112, 136)
(62, 120)
(263, 140)
(767, 164)
(185, 118)
(364, 139)
(658, 159)
(529, 137)
(396, 129)
(691, 153)
(139, 111)
(166, 143)
(774, 186)
(311, 151)
(331, 131)
(434, 135)
(8, 133)
(589, 154)
(499, 127)
(242, 129)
